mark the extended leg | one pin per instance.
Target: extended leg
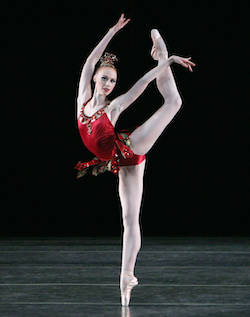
(144, 137)
(130, 192)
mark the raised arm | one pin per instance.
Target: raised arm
(84, 90)
(124, 101)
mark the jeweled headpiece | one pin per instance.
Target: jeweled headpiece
(108, 60)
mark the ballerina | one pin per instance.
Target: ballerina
(123, 153)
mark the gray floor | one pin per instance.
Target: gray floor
(79, 277)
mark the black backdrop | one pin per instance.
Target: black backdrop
(196, 179)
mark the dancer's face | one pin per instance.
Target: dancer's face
(105, 80)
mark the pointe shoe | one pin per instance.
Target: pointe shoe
(126, 294)
(125, 312)
(159, 47)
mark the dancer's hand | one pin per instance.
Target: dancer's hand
(120, 24)
(185, 62)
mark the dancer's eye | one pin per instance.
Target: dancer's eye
(104, 78)
(112, 81)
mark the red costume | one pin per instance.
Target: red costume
(112, 149)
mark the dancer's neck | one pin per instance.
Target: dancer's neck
(97, 101)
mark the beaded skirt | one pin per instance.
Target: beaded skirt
(122, 155)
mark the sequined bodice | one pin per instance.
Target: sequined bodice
(112, 149)
(97, 133)
(88, 120)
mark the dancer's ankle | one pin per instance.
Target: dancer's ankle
(127, 273)
(162, 56)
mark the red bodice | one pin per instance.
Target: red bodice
(100, 138)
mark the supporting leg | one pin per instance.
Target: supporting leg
(130, 192)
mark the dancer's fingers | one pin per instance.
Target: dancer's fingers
(123, 21)
(189, 65)
(184, 64)
(122, 18)
(190, 62)
(126, 22)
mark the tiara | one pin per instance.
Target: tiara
(108, 60)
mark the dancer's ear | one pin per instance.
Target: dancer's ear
(94, 78)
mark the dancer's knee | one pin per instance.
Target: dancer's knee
(130, 221)
(175, 103)
(178, 102)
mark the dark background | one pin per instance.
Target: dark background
(197, 180)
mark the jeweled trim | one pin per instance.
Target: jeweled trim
(88, 120)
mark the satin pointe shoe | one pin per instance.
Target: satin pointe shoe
(159, 47)
(126, 294)
(125, 312)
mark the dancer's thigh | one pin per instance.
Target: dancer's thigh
(144, 137)
(131, 187)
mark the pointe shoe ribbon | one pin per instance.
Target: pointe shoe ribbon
(125, 296)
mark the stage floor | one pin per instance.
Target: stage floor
(80, 277)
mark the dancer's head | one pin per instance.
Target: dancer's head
(106, 75)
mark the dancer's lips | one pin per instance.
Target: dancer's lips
(106, 89)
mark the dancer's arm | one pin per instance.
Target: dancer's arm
(124, 101)
(84, 90)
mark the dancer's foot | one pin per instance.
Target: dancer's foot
(159, 49)
(127, 283)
